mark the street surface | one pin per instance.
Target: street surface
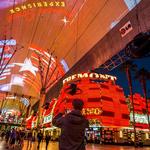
(54, 146)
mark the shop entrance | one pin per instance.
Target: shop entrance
(93, 135)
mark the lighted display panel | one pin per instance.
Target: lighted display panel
(104, 102)
(140, 111)
(47, 115)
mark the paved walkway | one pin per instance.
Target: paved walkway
(54, 146)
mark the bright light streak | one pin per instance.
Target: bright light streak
(8, 66)
(2, 78)
(5, 87)
(6, 70)
(7, 55)
(45, 61)
(47, 54)
(35, 58)
(78, 12)
(6, 74)
(65, 66)
(17, 80)
(11, 97)
(32, 82)
(37, 51)
(28, 118)
(8, 42)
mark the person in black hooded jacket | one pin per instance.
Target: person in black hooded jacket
(72, 127)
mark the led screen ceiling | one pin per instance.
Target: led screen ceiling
(67, 30)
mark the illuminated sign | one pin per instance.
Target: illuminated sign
(89, 75)
(91, 111)
(34, 122)
(139, 118)
(47, 119)
(126, 29)
(39, 4)
(7, 42)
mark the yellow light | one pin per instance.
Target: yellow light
(121, 134)
(146, 136)
(38, 4)
(89, 75)
(91, 111)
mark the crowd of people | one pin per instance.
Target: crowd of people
(14, 138)
(72, 125)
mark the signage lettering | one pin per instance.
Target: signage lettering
(89, 75)
(126, 29)
(91, 111)
(38, 5)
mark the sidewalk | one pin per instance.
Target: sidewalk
(54, 146)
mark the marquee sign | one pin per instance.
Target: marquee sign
(47, 119)
(38, 4)
(139, 118)
(126, 29)
(89, 75)
(91, 111)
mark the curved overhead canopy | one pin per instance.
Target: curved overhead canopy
(66, 29)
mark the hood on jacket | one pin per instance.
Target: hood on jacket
(75, 117)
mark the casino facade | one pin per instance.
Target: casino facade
(105, 106)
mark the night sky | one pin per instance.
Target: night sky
(122, 80)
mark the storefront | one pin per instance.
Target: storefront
(106, 107)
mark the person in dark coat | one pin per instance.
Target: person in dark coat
(47, 139)
(72, 127)
(29, 140)
(7, 136)
(40, 138)
(13, 136)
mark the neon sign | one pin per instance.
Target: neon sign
(139, 118)
(126, 29)
(47, 119)
(91, 111)
(33, 124)
(43, 4)
(89, 75)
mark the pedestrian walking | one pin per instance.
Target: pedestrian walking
(39, 137)
(47, 139)
(13, 138)
(7, 136)
(29, 138)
